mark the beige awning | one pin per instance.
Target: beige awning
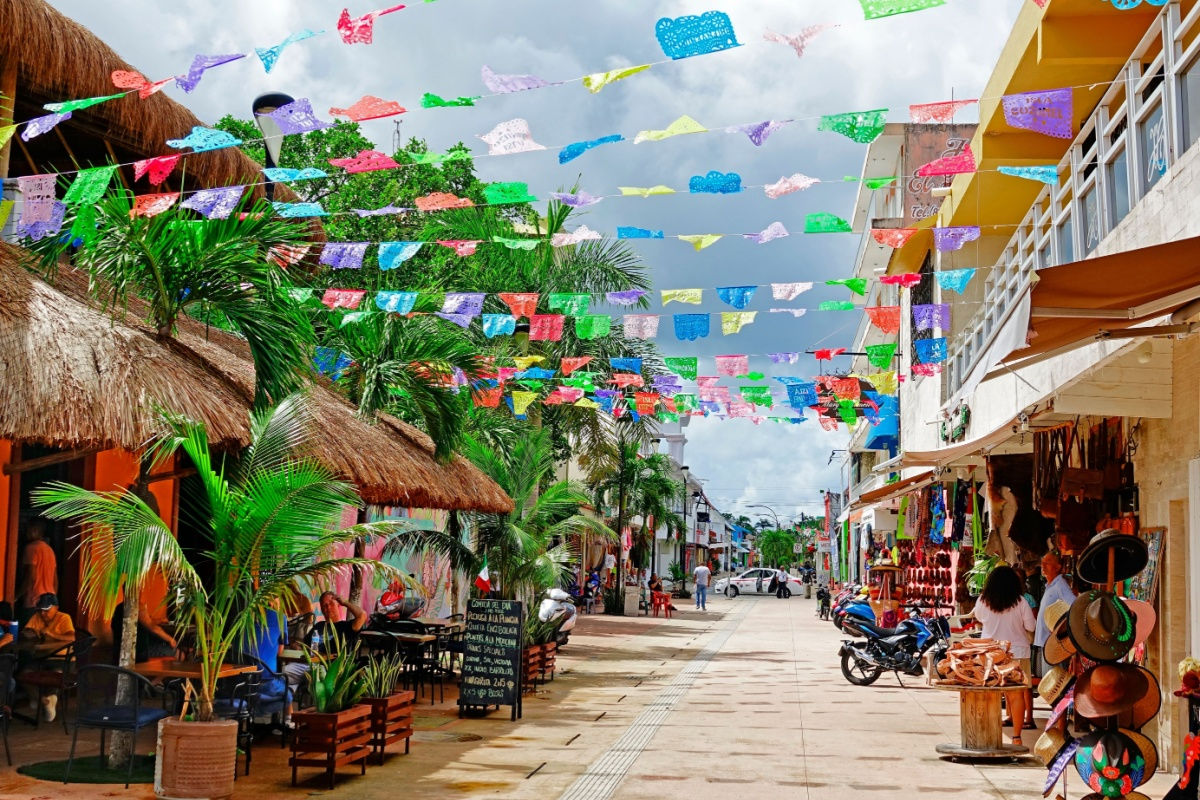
(892, 490)
(948, 455)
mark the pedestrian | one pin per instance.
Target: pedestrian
(610, 565)
(782, 590)
(702, 574)
(1057, 588)
(1007, 617)
(39, 567)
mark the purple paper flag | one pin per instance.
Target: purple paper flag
(625, 298)
(934, 315)
(344, 255)
(41, 228)
(759, 131)
(201, 63)
(40, 125)
(468, 304)
(577, 200)
(386, 211)
(1049, 112)
(216, 203)
(784, 358)
(298, 117)
(461, 320)
(955, 237)
(504, 84)
(773, 231)
(37, 197)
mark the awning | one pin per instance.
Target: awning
(884, 493)
(741, 549)
(948, 455)
(1074, 303)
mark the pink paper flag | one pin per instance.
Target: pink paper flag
(797, 41)
(546, 327)
(733, 365)
(626, 379)
(522, 304)
(793, 183)
(510, 137)
(151, 205)
(158, 168)
(893, 237)
(641, 326)
(789, 291)
(960, 164)
(369, 107)
(360, 30)
(439, 201)
(938, 112)
(343, 298)
(927, 370)
(129, 79)
(365, 161)
(461, 247)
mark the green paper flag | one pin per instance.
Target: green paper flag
(686, 402)
(668, 416)
(874, 9)
(757, 395)
(856, 285)
(573, 305)
(517, 244)
(836, 305)
(686, 368)
(84, 226)
(496, 193)
(825, 223)
(89, 185)
(433, 101)
(301, 295)
(863, 127)
(880, 355)
(847, 412)
(437, 158)
(879, 183)
(352, 317)
(68, 106)
(753, 376)
(582, 380)
(592, 326)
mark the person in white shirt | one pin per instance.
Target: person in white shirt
(781, 586)
(1008, 618)
(610, 564)
(702, 574)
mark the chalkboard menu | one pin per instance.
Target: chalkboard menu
(491, 667)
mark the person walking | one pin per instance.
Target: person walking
(702, 575)
(1007, 617)
(781, 589)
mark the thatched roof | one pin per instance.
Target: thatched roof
(71, 376)
(59, 59)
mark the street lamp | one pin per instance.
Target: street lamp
(768, 508)
(261, 108)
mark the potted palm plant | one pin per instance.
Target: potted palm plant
(270, 517)
(391, 707)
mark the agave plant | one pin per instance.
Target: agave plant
(335, 677)
(381, 674)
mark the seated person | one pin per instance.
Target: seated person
(332, 612)
(50, 625)
(655, 583)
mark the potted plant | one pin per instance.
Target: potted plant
(270, 518)
(391, 708)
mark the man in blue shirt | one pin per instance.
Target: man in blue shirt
(1057, 588)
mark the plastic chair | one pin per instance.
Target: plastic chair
(661, 601)
(56, 673)
(8, 665)
(99, 708)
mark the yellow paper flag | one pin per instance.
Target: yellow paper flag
(700, 240)
(522, 400)
(639, 191)
(598, 80)
(6, 132)
(679, 127)
(691, 296)
(734, 321)
(525, 362)
(884, 382)
(585, 402)
(6, 207)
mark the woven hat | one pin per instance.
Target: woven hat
(1058, 647)
(1131, 557)
(1049, 745)
(1107, 690)
(1059, 765)
(1110, 763)
(1146, 707)
(1101, 626)
(1149, 752)
(1054, 685)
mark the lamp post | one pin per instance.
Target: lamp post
(768, 508)
(262, 106)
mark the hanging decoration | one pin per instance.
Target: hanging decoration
(136, 81)
(856, 285)
(699, 241)
(629, 232)
(825, 223)
(546, 327)
(598, 80)
(797, 41)
(43, 124)
(930, 351)
(640, 326)
(396, 302)
(592, 326)
(881, 355)
(737, 296)
(954, 280)
(793, 183)
(690, 327)
(690, 296)
(732, 365)
(940, 113)
(577, 236)
(960, 164)
(1047, 174)
(576, 149)
(930, 316)
(203, 139)
(344, 255)
(774, 231)
(684, 37)
(510, 137)
(680, 127)
(733, 321)
(683, 367)
(507, 84)
(151, 205)
(715, 183)
(953, 238)
(506, 193)
(393, 254)
(893, 237)
(369, 107)
(298, 117)
(270, 55)
(365, 161)
(627, 297)
(885, 318)
(756, 132)
(905, 280)
(789, 291)
(863, 127)
(1049, 112)
(874, 9)
(644, 191)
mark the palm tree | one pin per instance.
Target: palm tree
(270, 519)
(528, 550)
(654, 498)
(218, 270)
(777, 547)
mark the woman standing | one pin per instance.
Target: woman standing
(1007, 617)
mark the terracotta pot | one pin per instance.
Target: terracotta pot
(196, 760)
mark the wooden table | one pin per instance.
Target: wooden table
(36, 649)
(167, 667)
(979, 718)
(405, 638)
(442, 624)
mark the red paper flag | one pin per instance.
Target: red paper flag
(366, 161)
(905, 280)
(846, 388)
(369, 107)
(546, 327)
(569, 365)
(158, 167)
(827, 354)
(487, 398)
(440, 201)
(128, 79)
(151, 205)
(360, 30)
(886, 318)
(892, 237)
(522, 304)
(627, 379)
(950, 165)
(461, 247)
(343, 298)
(645, 402)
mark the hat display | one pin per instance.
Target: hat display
(1049, 745)
(46, 601)
(1146, 618)
(1130, 558)
(1107, 690)
(1061, 707)
(1059, 765)
(1054, 685)
(1101, 626)
(1110, 763)
(1145, 708)
(1058, 647)
(1149, 753)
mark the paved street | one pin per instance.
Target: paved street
(745, 697)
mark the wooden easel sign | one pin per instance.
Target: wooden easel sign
(491, 668)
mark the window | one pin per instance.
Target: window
(1152, 134)
(1066, 244)
(1118, 187)
(1091, 219)
(1191, 103)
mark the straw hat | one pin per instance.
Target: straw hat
(1146, 707)
(1149, 752)
(1054, 685)
(1107, 690)
(1058, 647)
(1101, 626)
(1049, 745)
(1110, 763)
(1131, 557)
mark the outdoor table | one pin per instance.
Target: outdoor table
(442, 624)
(979, 718)
(167, 667)
(405, 638)
(35, 649)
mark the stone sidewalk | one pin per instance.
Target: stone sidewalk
(746, 696)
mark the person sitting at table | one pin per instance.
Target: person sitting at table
(655, 583)
(51, 626)
(332, 606)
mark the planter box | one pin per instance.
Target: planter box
(531, 667)
(549, 656)
(391, 720)
(331, 740)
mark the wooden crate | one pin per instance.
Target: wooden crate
(531, 667)
(331, 740)
(391, 720)
(549, 657)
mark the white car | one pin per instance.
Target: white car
(754, 581)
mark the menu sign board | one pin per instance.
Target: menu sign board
(491, 668)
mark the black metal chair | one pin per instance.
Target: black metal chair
(272, 696)
(99, 708)
(422, 660)
(8, 665)
(56, 673)
(239, 702)
(455, 643)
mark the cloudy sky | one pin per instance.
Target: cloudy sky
(440, 46)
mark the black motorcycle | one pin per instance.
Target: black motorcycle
(823, 602)
(898, 649)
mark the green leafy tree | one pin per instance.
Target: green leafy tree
(777, 547)
(655, 496)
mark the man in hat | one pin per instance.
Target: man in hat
(49, 625)
(1057, 588)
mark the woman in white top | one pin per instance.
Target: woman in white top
(1007, 617)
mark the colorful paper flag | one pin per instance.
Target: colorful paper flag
(598, 80)
(522, 304)
(737, 296)
(1048, 112)
(954, 280)
(953, 238)
(690, 327)
(510, 137)
(680, 127)
(699, 241)
(369, 107)
(576, 149)
(881, 355)
(863, 127)
(789, 291)
(546, 327)
(365, 161)
(714, 182)
(885, 318)
(793, 183)
(893, 237)
(640, 326)
(506, 84)
(825, 223)
(941, 113)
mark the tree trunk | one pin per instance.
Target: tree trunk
(621, 548)
(454, 528)
(121, 748)
(356, 575)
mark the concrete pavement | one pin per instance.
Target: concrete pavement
(745, 697)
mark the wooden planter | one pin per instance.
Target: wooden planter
(549, 655)
(531, 667)
(391, 720)
(195, 759)
(331, 740)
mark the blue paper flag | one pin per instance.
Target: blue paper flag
(626, 232)
(396, 302)
(328, 361)
(626, 364)
(716, 183)
(299, 209)
(697, 35)
(802, 395)
(690, 327)
(393, 254)
(1047, 174)
(954, 280)
(576, 149)
(202, 139)
(930, 351)
(499, 325)
(287, 174)
(535, 374)
(736, 296)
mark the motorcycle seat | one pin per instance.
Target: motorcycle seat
(882, 633)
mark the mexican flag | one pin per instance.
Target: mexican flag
(482, 581)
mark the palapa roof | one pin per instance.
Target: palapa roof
(71, 376)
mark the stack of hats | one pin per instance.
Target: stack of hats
(1088, 643)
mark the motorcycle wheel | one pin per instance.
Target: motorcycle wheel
(731, 591)
(858, 673)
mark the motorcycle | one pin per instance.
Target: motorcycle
(856, 606)
(898, 649)
(823, 598)
(558, 604)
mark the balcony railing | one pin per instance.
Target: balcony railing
(1147, 119)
